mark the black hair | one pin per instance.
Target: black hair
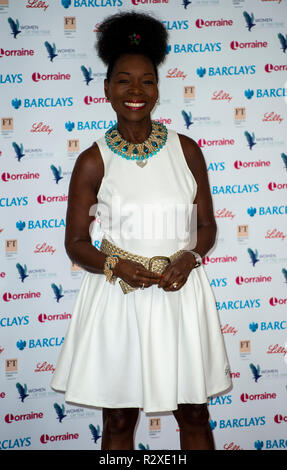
(131, 33)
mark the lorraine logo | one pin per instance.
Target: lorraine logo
(57, 173)
(18, 150)
(283, 41)
(95, 432)
(249, 19)
(87, 74)
(253, 255)
(187, 118)
(255, 372)
(22, 270)
(22, 390)
(57, 291)
(60, 411)
(250, 139)
(14, 25)
(51, 49)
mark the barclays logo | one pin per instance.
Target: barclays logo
(89, 125)
(267, 210)
(268, 326)
(43, 102)
(238, 304)
(91, 3)
(266, 93)
(216, 166)
(271, 444)
(226, 71)
(40, 224)
(195, 48)
(11, 78)
(13, 201)
(177, 25)
(40, 343)
(235, 189)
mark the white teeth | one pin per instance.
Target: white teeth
(134, 105)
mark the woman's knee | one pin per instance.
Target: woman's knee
(119, 420)
(192, 415)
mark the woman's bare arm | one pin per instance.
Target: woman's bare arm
(206, 224)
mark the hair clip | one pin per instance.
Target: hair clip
(135, 39)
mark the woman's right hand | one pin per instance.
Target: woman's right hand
(135, 274)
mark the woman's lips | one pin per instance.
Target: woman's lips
(135, 105)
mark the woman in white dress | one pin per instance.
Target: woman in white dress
(152, 341)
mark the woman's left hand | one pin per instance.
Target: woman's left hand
(177, 272)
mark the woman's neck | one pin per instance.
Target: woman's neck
(135, 132)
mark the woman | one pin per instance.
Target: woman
(159, 347)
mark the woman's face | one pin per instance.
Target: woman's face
(132, 89)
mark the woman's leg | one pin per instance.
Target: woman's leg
(195, 431)
(118, 428)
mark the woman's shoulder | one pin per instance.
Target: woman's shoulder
(90, 161)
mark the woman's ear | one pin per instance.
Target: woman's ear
(106, 88)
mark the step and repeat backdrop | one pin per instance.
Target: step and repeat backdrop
(223, 84)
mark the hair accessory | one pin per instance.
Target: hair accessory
(135, 39)
(139, 152)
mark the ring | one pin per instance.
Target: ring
(175, 284)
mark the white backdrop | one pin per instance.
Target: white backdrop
(223, 84)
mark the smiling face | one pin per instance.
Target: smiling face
(132, 88)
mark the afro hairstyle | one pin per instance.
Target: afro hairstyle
(131, 33)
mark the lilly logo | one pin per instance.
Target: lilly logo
(16, 103)
(87, 74)
(21, 345)
(251, 211)
(60, 411)
(249, 93)
(250, 139)
(249, 19)
(18, 150)
(253, 255)
(51, 49)
(201, 72)
(22, 391)
(14, 25)
(22, 270)
(69, 126)
(253, 327)
(20, 225)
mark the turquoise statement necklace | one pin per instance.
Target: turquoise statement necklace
(138, 152)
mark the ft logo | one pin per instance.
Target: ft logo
(154, 427)
(70, 23)
(7, 124)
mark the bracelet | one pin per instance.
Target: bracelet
(110, 262)
(197, 257)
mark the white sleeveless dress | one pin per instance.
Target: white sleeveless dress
(148, 349)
